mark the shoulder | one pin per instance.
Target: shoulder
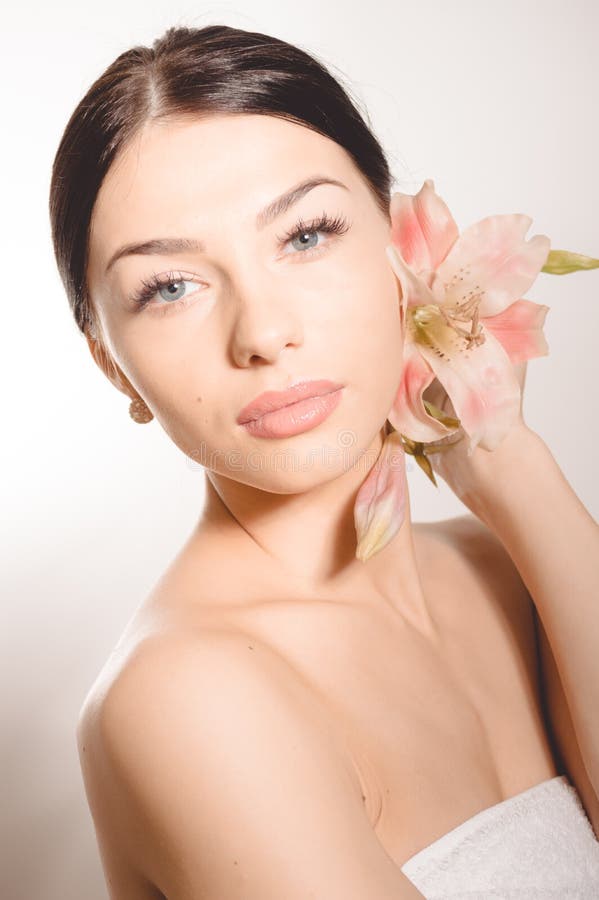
(155, 699)
(177, 712)
(478, 554)
(466, 534)
(215, 772)
(488, 593)
(164, 676)
(209, 670)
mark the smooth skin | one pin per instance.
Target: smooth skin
(279, 719)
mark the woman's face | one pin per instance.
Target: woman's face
(250, 309)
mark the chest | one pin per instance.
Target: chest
(436, 733)
(455, 733)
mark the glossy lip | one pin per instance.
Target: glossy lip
(270, 401)
(295, 418)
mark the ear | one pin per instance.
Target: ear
(105, 362)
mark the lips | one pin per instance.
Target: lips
(273, 400)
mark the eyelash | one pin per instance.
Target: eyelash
(149, 287)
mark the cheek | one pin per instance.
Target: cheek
(376, 332)
(369, 313)
(180, 383)
(191, 411)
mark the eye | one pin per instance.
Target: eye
(174, 290)
(170, 287)
(305, 232)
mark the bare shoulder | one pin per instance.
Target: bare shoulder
(215, 773)
(479, 554)
(466, 534)
(489, 596)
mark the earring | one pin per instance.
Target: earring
(139, 412)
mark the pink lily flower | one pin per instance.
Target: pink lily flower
(467, 325)
(465, 319)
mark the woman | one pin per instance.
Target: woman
(281, 719)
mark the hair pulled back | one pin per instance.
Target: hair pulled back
(192, 72)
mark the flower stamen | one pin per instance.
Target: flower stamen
(467, 311)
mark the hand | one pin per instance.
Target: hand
(469, 476)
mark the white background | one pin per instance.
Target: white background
(497, 102)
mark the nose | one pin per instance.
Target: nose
(265, 324)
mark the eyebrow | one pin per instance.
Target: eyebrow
(267, 215)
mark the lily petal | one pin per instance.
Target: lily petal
(480, 382)
(415, 290)
(408, 415)
(423, 228)
(380, 505)
(519, 330)
(493, 259)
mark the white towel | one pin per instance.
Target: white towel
(538, 845)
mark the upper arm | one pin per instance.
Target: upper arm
(232, 784)
(561, 725)
(119, 836)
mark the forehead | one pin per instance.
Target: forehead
(178, 173)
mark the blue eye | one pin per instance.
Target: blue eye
(308, 233)
(303, 230)
(170, 287)
(174, 290)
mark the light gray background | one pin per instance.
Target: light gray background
(497, 102)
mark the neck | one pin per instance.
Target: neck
(307, 541)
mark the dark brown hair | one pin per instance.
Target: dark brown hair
(197, 72)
